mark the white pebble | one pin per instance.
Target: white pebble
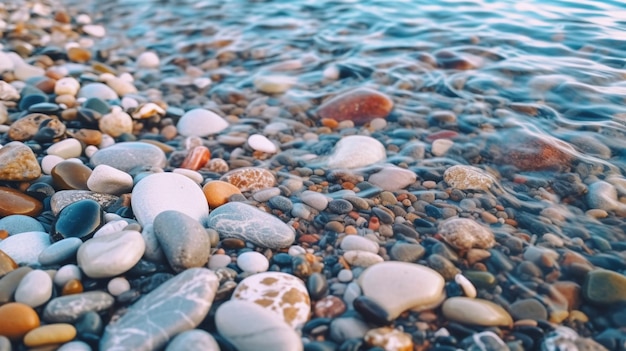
(148, 59)
(296, 250)
(219, 261)
(109, 180)
(115, 123)
(34, 289)
(67, 148)
(49, 161)
(252, 262)
(189, 173)
(67, 273)
(66, 86)
(118, 286)
(441, 146)
(200, 122)
(273, 84)
(466, 285)
(94, 30)
(90, 150)
(259, 142)
(345, 275)
(111, 227)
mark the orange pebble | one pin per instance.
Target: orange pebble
(374, 223)
(329, 122)
(74, 286)
(197, 158)
(17, 319)
(4, 234)
(218, 192)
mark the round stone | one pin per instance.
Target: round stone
(200, 122)
(14, 202)
(67, 148)
(111, 255)
(389, 339)
(17, 319)
(252, 262)
(97, 90)
(35, 289)
(25, 248)
(261, 143)
(15, 224)
(465, 234)
(393, 178)
(192, 340)
(19, 163)
(61, 251)
(340, 206)
(399, 286)
(283, 294)
(50, 334)
(314, 199)
(356, 151)
(478, 312)
(468, 178)
(67, 273)
(360, 105)
(109, 180)
(250, 178)
(528, 309)
(70, 175)
(66, 86)
(161, 192)
(116, 123)
(80, 219)
(604, 287)
(148, 59)
(245, 222)
(273, 84)
(183, 239)
(128, 155)
(118, 286)
(247, 325)
(218, 192)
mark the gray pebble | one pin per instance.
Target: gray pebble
(340, 206)
(60, 251)
(282, 203)
(192, 340)
(19, 224)
(342, 329)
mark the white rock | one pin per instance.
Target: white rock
(118, 286)
(116, 123)
(252, 262)
(67, 273)
(441, 146)
(6, 64)
(97, 90)
(121, 86)
(356, 151)
(148, 59)
(361, 258)
(49, 161)
(273, 84)
(190, 173)
(357, 242)
(111, 255)
(67, 148)
(8, 92)
(94, 30)
(200, 122)
(109, 180)
(66, 86)
(393, 178)
(314, 199)
(218, 261)
(603, 195)
(24, 248)
(111, 227)
(34, 289)
(168, 191)
(466, 285)
(261, 143)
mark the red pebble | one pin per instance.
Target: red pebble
(359, 105)
(197, 158)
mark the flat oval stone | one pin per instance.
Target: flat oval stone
(247, 325)
(183, 239)
(399, 286)
(24, 248)
(63, 198)
(356, 151)
(19, 223)
(252, 262)
(200, 122)
(480, 312)
(464, 234)
(128, 155)
(178, 305)
(218, 192)
(97, 90)
(250, 178)
(361, 258)
(283, 294)
(35, 289)
(273, 84)
(69, 175)
(60, 252)
(245, 222)
(69, 308)
(109, 180)
(468, 178)
(14, 202)
(604, 287)
(10, 281)
(111, 255)
(17, 319)
(360, 105)
(67, 148)
(80, 219)
(116, 123)
(356, 242)
(19, 163)
(393, 178)
(192, 340)
(261, 143)
(50, 334)
(161, 192)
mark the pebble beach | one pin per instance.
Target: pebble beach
(254, 175)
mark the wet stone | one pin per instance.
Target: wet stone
(183, 239)
(35, 289)
(50, 334)
(69, 308)
(604, 287)
(340, 206)
(389, 339)
(356, 151)
(200, 122)
(18, 163)
(528, 309)
(360, 105)
(468, 178)
(464, 234)
(69, 175)
(14, 202)
(406, 252)
(63, 198)
(25, 248)
(80, 219)
(480, 312)
(250, 178)
(128, 155)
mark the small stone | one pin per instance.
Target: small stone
(183, 239)
(252, 262)
(111, 255)
(35, 289)
(356, 151)
(603, 195)
(69, 175)
(241, 221)
(121, 86)
(15, 224)
(466, 285)
(184, 299)
(486, 340)
(604, 287)
(68, 309)
(464, 234)
(160, 192)
(8, 92)
(17, 319)
(67, 148)
(360, 105)
(218, 192)
(530, 152)
(6, 264)
(63, 198)
(393, 178)
(118, 286)
(80, 220)
(441, 146)
(329, 307)
(468, 178)
(67, 273)
(116, 123)
(94, 30)
(250, 178)
(66, 86)
(247, 325)
(399, 286)
(109, 180)
(200, 122)
(475, 312)
(97, 90)
(314, 199)
(389, 339)
(148, 59)
(406, 252)
(78, 54)
(192, 340)
(528, 309)
(356, 242)
(361, 258)
(24, 248)
(345, 328)
(273, 84)
(75, 346)
(196, 158)
(19, 163)
(261, 143)
(50, 334)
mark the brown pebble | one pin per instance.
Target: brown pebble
(218, 192)
(571, 293)
(17, 319)
(329, 307)
(6, 263)
(68, 175)
(50, 334)
(73, 286)
(233, 243)
(26, 127)
(66, 99)
(19, 163)
(46, 85)
(360, 105)
(250, 178)
(3, 235)
(169, 132)
(62, 17)
(488, 217)
(78, 54)
(530, 152)
(14, 202)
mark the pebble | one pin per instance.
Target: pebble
(200, 122)
(478, 312)
(118, 286)
(218, 192)
(67, 148)
(75, 346)
(406, 252)
(345, 328)
(250, 178)
(356, 151)
(603, 196)
(261, 143)
(8, 92)
(252, 262)
(19, 163)
(246, 325)
(283, 294)
(110, 255)
(116, 123)
(67, 309)
(35, 289)
(245, 222)
(183, 239)
(67, 226)
(6, 264)
(51, 334)
(528, 309)
(128, 155)
(17, 319)
(361, 258)
(109, 180)
(314, 199)
(15, 224)
(177, 305)
(531, 152)
(148, 59)
(340, 206)
(192, 340)
(602, 287)
(97, 90)
(25, 248)
(399, 286)
(360, 105)
(273, 84)
(465, 234)
(161, 192)
(466, 285)
(389, 339)
(486, 340)
(196, 158)
(393, 178)
(14, 202)
(468, 178)
(66, 273)
(70, 175)
(66, 86)
(63, 198)
(441, 146)
(356, 242)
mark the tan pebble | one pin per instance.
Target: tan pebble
(169, 132)
(475, 312)
(429, 184)
(361, 258)
(67, 100)
(17, 319)
(476, 255)
(78, 54)
(89, 136)
(468, 288)
(6, 262)
(467, 177)
(50, 334)
(525, 323)
(464, 234)
(46, 85)
(120, 86)
(597, 213)
(558, 316)
(389, 339)
(350, 229)
(218, 192)
(66, 86)
(26, 127)
(19, 163)
(579, 316)
(116, 123)
(250, 178)
(488, 217)
(359, 106)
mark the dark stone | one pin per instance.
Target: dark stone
(44, 107)
(372, 311)
(282, 259)
(98, 105)
(406, 252)
(528, 309)
(89, 325)
(31, 99)
(405, 230)
(315, 325)
(340, 206)
(78, 220)
(612, 339)
(40, 190)
(352, 345)
(301, 267)
(317, 286)
(320, 346)
(382, 215)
